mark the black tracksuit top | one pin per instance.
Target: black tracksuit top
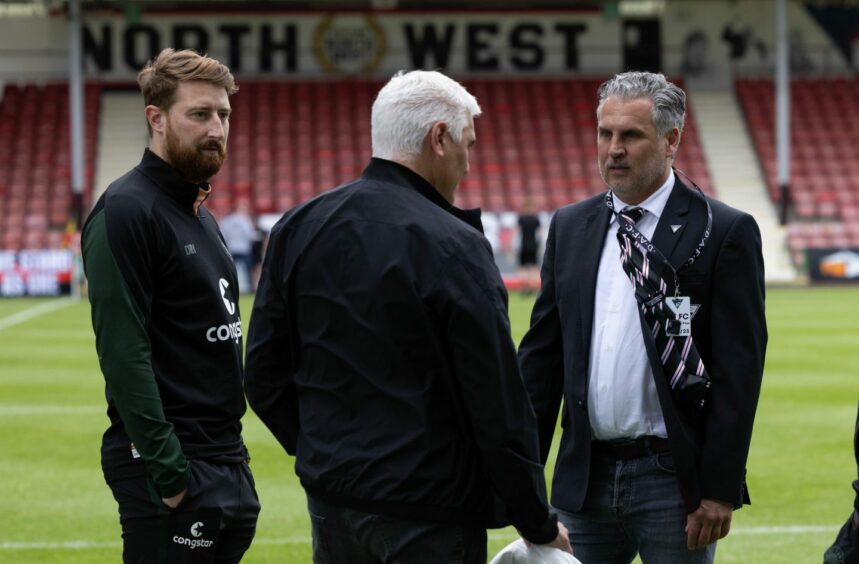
(165, 313)
(379, 353)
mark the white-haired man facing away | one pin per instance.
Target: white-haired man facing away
(379, 352)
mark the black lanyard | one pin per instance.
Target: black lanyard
(650, 248)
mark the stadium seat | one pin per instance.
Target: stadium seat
(824, 154)
(35, 164)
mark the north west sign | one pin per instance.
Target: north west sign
(361, 43)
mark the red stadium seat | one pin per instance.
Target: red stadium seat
(35, 136)
(824, 153)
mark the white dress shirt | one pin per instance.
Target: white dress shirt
(622, 400)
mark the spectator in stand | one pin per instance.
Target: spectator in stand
(240, 233)
(529, 226)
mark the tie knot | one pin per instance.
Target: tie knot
(632, 215)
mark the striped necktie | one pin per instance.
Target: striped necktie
(682, 365)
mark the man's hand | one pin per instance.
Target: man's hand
(709, 523)
(173, 502)
(562, 541)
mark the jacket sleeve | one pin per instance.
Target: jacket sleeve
(541, 355)
(269, 367)
(856, 483)
(118, 262)
(739, 339)
(474, 310)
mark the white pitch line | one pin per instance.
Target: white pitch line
(83, 544)
(11, 410)
(68, 545)
(35, 311)
(787, 529)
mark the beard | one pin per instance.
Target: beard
(197, 163)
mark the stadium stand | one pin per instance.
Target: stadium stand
(35, 170)
(291, 140)
(824, 156)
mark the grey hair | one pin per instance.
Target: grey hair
(409, 104)
(669, 101)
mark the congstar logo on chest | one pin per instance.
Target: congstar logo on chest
(228, 331)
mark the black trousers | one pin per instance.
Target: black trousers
(215, 523)
(347, 536)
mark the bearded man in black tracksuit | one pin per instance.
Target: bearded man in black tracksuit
(165, 312)
(379, 352)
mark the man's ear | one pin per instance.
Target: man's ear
(156, 118)
(437, 138)
(673, 138)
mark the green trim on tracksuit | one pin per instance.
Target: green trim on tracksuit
(125, 357)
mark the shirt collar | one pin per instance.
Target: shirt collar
(654, 204)
(171, 182)
(396, 173)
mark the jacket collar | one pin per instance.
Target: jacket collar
(169, 180)
(395, 173)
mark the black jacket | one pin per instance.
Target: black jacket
(379, 353)
(165, 312)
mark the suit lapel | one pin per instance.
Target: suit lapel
(592, 239)
(672, 235)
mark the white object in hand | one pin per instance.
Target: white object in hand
(517, 552)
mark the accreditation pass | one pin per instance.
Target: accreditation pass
(680, 320)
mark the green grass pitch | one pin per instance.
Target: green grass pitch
(56, 508)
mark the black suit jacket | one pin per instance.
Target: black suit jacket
(729, 331)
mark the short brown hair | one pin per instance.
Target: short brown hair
(161, 76)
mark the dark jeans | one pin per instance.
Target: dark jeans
(632, 507)
(347, 536)
(244, 271)
(215, 523)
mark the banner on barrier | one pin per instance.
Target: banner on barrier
(840, 265)
(36, 272)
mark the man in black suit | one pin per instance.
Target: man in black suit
(652, 459)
